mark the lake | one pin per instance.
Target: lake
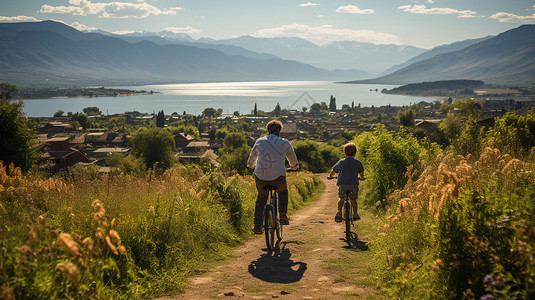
(193, 98)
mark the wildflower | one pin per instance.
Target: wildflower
(6, 293)
(487, 296)
(111, 245)
(70, 271)
(115, 236)
(66, 240)
(121, 249)
(437, 264)
(88, 242)
(32, 236)
(490, 280)
(151, 210)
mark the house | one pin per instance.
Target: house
(182, 140)
(196, 146)
(59, 143)
(78, 140)
(103, 152)
(289, 131)
(65, 159)
(209, 155)
(54, 127)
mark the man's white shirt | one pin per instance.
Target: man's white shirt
(268, 155)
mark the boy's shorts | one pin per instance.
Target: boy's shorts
(354, 191)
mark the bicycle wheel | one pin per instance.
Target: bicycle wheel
(268, 227)
(347, 217)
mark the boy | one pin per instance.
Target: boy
(348, 168)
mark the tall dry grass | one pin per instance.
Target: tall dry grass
(121, 235)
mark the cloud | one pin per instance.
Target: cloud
(430, 1)
(422, 9)
(109, 10)
(327, 33)
(187, 30)
(308, 4)
(78, 26)
(351, 9)
(17, 19)
(512, 18)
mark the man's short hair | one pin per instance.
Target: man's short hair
(274, 127)
(350, 149)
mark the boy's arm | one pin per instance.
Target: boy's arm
(332, 174)
(361, 175)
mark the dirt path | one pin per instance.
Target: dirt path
(314, 262)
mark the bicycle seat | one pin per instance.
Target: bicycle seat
(270, 188)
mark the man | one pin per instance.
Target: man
(267, 159)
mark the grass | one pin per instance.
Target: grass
(122, 236)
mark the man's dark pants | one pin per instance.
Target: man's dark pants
(263, 194)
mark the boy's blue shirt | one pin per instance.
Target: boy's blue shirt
(348, 170)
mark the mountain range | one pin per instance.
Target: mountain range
(508, 58)
(52, 53)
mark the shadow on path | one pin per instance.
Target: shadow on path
(277, 267)
(355, 243)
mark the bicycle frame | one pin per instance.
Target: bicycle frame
(347, 214)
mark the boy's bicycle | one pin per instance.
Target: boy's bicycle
(347, 212)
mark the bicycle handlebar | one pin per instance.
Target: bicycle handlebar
(334, 177)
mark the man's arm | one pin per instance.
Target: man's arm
(292, 158)
(251, 162)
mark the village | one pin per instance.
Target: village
(63, 142)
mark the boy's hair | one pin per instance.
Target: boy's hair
(274, 127)
(350, 149)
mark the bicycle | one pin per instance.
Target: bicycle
(270, 217)
(347, 211)
(270, 221)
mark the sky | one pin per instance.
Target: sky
(420, 23)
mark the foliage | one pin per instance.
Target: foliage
(7, 90)
(514, 133)
(58, 113)
(387, 156)
(463, 228)
(156, 146)
(92, 111)
(316, 158)
(332, 104)
(16, 136)
(160, 119)
(406, 117)
(139, 241)
(82, 119)
(234, 153)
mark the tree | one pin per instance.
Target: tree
(82, 119)
(92, 111)
(255, 110)
(160, 119)
(209, 112)
(154, 145)
(16, 136)
(58, 114)
(7, 90)
(406, 117)
(332, 104)
(277, 110)
(234, 153)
